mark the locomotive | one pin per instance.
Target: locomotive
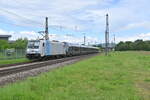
(40, 49)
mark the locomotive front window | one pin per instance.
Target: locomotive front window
(33, 44)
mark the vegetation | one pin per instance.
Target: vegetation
(12, 50)
(136, 45)
(13, 61)
(121, 76)
(18, 44)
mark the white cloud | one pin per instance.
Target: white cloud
(62, 38)
(144, 24)
(60, 12)
(143, 36)
(73, 39)
(3, 32)
(22, 34)
(125, 15)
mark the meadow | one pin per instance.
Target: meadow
(13, 61)
(119, 76)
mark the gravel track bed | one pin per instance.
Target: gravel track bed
(34, 72)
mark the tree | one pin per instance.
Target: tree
(121, 46)
(136, 45)
(20, 43)
(4, 44)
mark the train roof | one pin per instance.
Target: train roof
(69, 44)
(83, 46)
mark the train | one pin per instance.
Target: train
(40, 49)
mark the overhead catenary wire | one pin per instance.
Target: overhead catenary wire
(20, 16)
(27, 22)
(30, 22)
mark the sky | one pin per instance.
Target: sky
(69, 20)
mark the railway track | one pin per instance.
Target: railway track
(20, 68)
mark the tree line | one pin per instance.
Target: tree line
(136, 45)
(18, 44)
(121, 46)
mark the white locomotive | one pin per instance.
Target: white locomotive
(44, 48)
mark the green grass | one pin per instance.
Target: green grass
(120, 76)
(13, 61)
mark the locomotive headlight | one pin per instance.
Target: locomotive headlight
(28, 51)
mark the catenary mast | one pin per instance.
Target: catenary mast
(46, 29)
(107, 35)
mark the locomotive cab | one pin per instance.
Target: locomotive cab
(35, 49)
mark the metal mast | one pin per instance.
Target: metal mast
(107, 35)
(46, 29)
(114, 41)
(84, 39)
(114, 38)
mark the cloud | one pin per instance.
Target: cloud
(22, 34)
(62, 38)
(143, 36)
(60, 12)
(3, 32)
(145, 25)
(73, 39)
(88, 15)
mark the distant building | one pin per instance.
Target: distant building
(5, 37)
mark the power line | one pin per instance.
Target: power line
(19, 16)
(12, 24)
(34, 23)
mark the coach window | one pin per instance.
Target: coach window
(43, 44)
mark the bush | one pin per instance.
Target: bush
(18, 44)
(136, 45)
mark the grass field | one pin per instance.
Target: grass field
(120, 76)
(13, 61)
